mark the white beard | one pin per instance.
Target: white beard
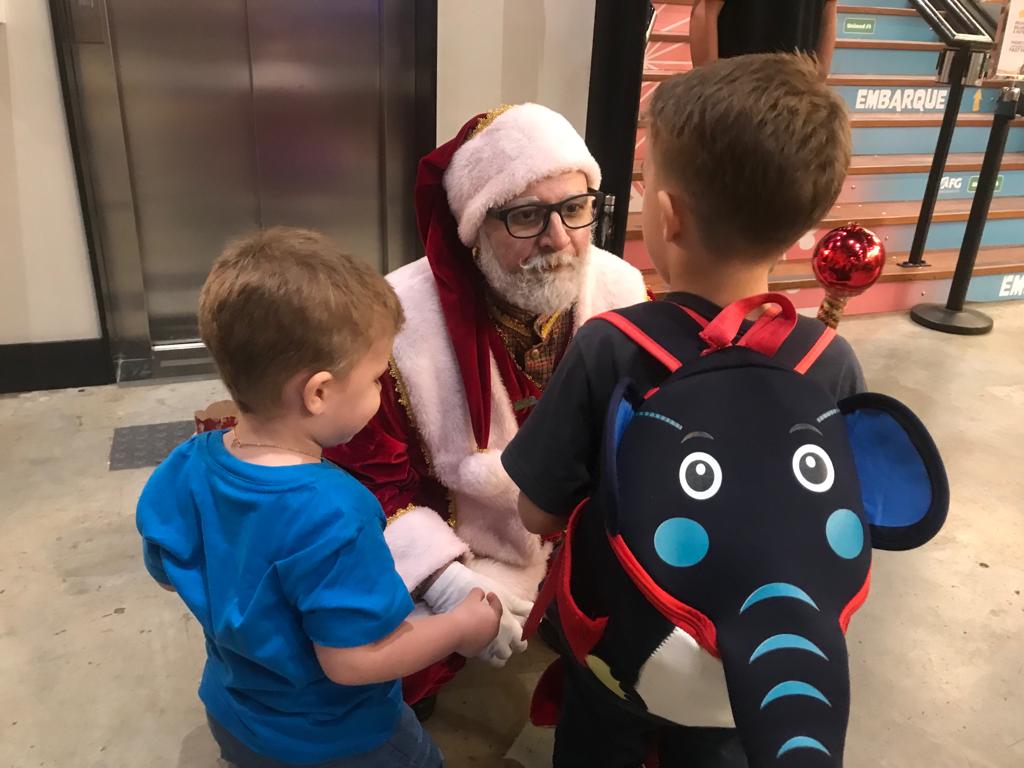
(533, 286)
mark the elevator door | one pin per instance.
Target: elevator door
(207, 118)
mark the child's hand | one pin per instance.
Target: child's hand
(480, 616)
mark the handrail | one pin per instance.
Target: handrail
(968, 42)
(955, 25)
(953, 317)
(978, 15)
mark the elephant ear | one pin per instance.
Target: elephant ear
(902, 478)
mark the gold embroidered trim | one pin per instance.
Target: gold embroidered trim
(403, 399)
(452, 512)
(489, 118)
(400, 512)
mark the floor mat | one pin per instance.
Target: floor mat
(146, 445)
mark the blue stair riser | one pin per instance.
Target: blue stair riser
(908, 141)
(892, 187)
(877, 99)
(879, 61)
(1008, 287)
(866, 26)
(948, 234)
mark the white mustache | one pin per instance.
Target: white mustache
(543, 262)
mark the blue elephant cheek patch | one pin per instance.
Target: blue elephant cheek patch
(845, 533)
(681, 542)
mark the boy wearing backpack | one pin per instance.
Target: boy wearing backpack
(746, 155)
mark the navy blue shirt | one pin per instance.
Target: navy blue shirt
(553, 457)
(271, 560)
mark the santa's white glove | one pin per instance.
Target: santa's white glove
(453, 585)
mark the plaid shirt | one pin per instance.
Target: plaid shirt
(537, 343)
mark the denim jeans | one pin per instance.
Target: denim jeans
(409, 747)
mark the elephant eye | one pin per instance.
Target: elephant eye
(700, 476)
(813, 468)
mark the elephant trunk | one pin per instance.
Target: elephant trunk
(787, 672)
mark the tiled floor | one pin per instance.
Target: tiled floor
(98, 667)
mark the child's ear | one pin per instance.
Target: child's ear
(670, 211)
(314, 392)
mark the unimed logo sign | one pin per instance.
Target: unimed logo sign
(859, 25)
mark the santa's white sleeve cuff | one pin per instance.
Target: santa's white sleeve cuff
(421, 543)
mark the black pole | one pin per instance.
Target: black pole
(616, 72)
(957, 71)
(979, 210)
(953, 318)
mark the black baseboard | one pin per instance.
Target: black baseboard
(54, 365)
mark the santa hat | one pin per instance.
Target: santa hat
(492, 158)
(509, 149)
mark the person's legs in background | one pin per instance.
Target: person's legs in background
(682, 747)
(595, 729)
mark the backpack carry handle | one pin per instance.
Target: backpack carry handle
(766, 335)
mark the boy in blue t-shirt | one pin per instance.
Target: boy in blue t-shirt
(279, 554)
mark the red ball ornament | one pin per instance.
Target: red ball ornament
(847, 261)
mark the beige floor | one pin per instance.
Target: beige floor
(98, 667)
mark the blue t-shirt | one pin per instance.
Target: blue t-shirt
(271, 560)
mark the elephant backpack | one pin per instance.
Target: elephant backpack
(728, 541)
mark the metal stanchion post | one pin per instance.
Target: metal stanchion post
(952, 317)
(957, 74)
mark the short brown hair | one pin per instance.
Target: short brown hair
(758, 144)
(285, 300)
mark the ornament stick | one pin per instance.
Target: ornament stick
(831, 309)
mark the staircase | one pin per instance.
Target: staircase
(884, 69)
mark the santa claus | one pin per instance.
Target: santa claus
(505, 211)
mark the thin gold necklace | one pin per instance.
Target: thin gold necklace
(236, 443)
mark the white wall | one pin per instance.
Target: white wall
(492, 52)
(489, 52)
(46, 291)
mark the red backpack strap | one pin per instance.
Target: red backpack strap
(765, 336)
(642, 340)
(581, 631)
(815, 351)
(698, 318)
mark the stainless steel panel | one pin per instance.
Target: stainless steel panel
(317, 106)
(201, 119)
(183, 69)
(399, 132)
(89, 21)
(103, 141)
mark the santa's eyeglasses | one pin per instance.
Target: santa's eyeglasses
(532, 219)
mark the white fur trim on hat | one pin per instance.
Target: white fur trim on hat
(524, 144)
